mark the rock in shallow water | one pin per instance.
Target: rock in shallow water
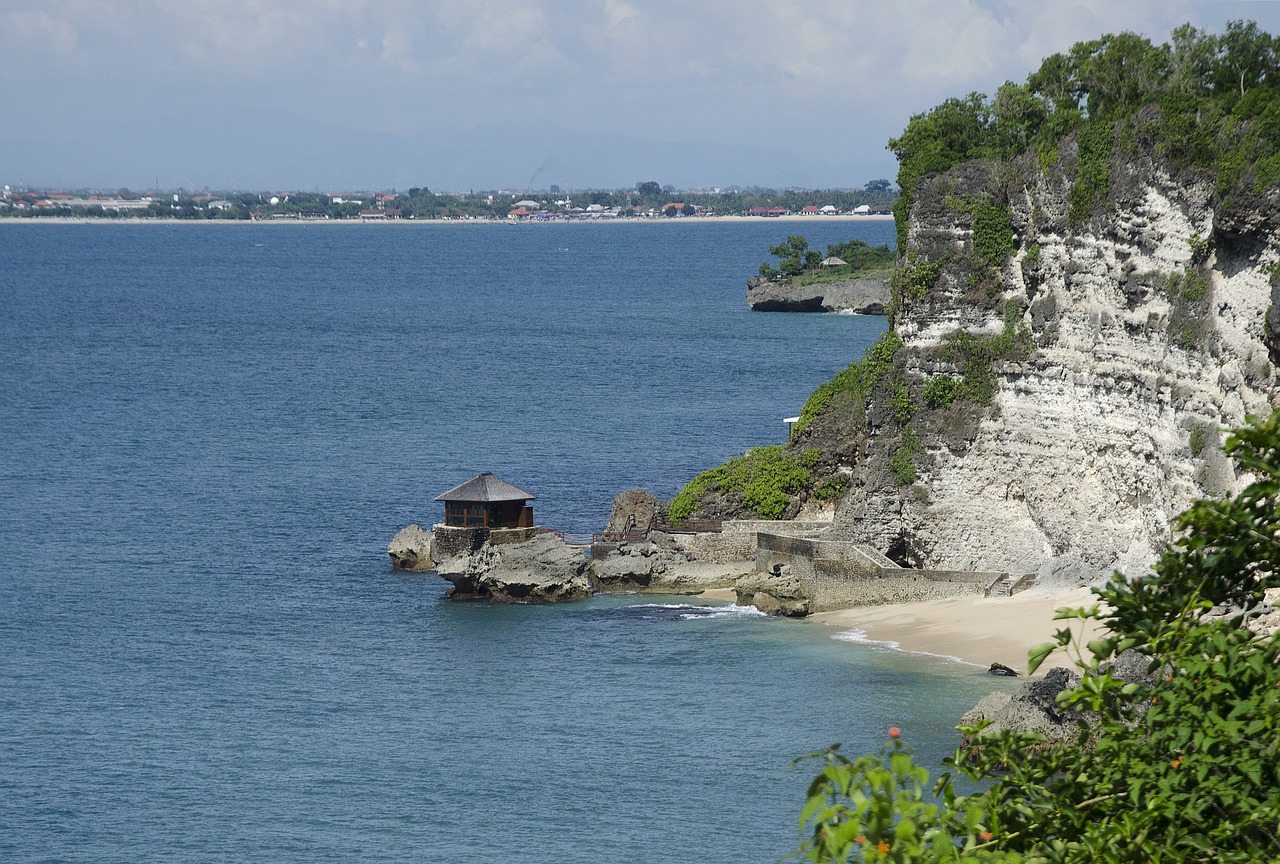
(411, 549)
(777, 592)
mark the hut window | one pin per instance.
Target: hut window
(464, 514)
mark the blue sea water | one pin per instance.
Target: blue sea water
(209, 434)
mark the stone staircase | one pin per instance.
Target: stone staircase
(1007, 584)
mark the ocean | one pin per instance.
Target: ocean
(208, 435)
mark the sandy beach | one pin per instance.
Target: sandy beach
(974, 629)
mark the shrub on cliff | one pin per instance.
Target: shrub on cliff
(1186, 770)
(858, 379)
(765, 478)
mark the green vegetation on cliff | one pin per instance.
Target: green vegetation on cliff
(1204, 104)
(765, 477)
(1211, 102)
(1181, 766)
(858, 379)
(1185, 767)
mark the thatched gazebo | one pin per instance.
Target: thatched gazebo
(486, 501)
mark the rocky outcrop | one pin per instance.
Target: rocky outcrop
(411, 549)
(868, 295)
(538, 570)
(1033, 707)
(647, 568)
(775, 592)
(632, 509)
(1115, 349)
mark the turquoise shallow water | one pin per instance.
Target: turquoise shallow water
(210, 434)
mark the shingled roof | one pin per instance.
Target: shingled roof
(485, 487)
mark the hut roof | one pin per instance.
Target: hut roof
(485, 487)
(833, 261)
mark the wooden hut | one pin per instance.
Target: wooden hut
(486, 501)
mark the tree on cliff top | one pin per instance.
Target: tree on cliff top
(1183, 769)
(1216, 101)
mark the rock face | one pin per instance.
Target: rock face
(539, 570)
(776, 592)
(1033, 707)
(631, 509)
(649, 569)
(1148, 331)
(411, 549)
(866, 296)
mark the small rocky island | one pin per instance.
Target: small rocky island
(853, 277)
(865, 295)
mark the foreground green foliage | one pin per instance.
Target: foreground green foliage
(1183, 769)
(1211, 103)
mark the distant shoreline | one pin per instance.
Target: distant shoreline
(90, 220)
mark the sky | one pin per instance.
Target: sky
(455, 95)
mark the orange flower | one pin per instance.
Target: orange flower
(985, 836)
(895, 733)
(860, 839)
(882, 847)
(1176, 762)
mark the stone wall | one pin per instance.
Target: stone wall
(737, 539)
(448, 541)
(837, 575)
(832, 587)
(502, 536)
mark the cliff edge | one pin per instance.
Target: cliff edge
(1114, 352)
(1052, 387)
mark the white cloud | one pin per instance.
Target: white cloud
(826, 79)
(38, 29)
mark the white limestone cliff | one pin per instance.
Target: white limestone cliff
(1112, 426)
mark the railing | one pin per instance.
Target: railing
(1022, 583)
(635, 535)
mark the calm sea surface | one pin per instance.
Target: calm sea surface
(209, 434)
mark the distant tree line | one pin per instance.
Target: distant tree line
(795, 257)
(422, 203)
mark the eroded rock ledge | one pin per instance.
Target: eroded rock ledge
(868, 295)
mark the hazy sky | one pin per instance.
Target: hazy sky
(458, 94)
